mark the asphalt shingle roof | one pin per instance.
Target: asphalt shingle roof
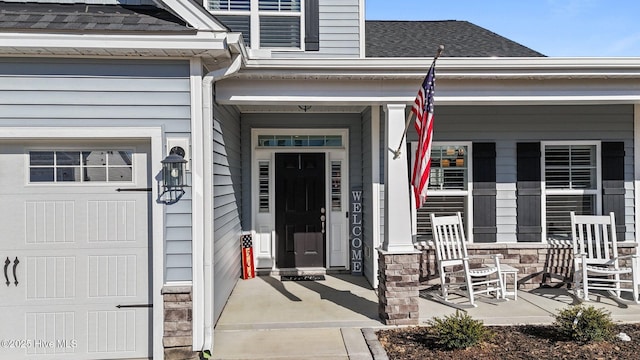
(422, 38)
(87, 18)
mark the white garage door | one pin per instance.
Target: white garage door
(74, 250)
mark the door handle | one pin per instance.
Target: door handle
(15, 266)
(6, 275)
(7, 262)
(323, 221)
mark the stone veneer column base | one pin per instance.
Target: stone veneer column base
(178, 333)
(398, 288)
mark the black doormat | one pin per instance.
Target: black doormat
(301, 277)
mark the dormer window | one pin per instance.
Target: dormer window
(265, 24)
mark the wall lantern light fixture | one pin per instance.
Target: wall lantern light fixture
(173, 176)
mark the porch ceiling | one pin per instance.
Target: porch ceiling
(312, 109)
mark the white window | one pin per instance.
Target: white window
(273, 24)
(449, 185)
(571, 182)
(49, 166)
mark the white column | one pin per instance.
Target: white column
(375, 189)
(636, 169)
(397, 201)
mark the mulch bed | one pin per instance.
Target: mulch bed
(510, 342)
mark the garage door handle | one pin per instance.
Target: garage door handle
(6, 266)
(133, 189)
(15, 266)
(135, 306)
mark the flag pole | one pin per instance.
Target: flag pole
(397, 152)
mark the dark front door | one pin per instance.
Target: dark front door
(300, 210)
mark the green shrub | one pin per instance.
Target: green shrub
(585, 323)
(458, 331)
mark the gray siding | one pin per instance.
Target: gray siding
(67, 92)
(339, 31)
(507, 125)
(227, 198)
(299, 121)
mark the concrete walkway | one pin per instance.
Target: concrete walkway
(266, 318)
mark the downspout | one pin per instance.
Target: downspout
(207, 114)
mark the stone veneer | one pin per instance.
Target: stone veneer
(178, 333)
(539, 264)
(398, 288)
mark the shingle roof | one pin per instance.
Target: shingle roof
(87, 18)
(422, 38)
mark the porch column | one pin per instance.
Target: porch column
(397, 203)
(636, 171)
(398, 262)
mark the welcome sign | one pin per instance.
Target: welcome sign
(355, 233)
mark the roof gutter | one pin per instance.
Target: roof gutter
(207, 114)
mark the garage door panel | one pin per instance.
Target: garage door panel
(107, 333)
(77, 259)
(53, 222)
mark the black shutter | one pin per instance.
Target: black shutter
(312, 25)
(529, 192)
(613, 183)
(484, 192)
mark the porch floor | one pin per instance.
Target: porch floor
(266, 318)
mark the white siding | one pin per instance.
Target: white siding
(67, 92)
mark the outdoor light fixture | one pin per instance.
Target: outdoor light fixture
(173, 176)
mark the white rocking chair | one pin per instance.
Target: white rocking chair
(453, 261)
(596, 260)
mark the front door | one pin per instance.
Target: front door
(300, 210)
(75, 250)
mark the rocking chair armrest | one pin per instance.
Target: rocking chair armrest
(629, 256)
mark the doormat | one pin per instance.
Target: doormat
(301, 277)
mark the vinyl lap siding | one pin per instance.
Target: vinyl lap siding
(508, 125)
(227, 198)
(126, 93)
(339, 31)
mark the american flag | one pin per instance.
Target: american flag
(423, 109)
(246, 241)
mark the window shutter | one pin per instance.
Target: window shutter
(312, 26)
(613, 183)
(484, 192)
(529, 192)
